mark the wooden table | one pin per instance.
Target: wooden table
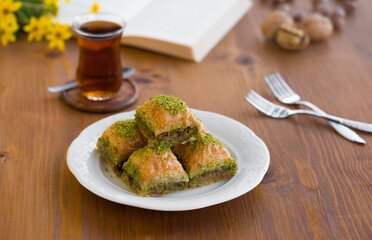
(318, 185)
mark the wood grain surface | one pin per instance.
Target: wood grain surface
(318, 185)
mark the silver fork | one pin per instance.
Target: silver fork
(272, 110)
(286, 95)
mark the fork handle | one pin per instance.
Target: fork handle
(365, 127)
(339, 128)
(311, 105)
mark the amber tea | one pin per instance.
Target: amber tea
(99, 71)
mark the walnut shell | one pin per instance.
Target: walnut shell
(271, 23)
(318, 27)
(291, 37)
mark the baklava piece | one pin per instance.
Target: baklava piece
(119, 141)
(167, 119)
(154, 171)
(206, 160)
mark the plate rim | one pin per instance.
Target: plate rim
(253, 185)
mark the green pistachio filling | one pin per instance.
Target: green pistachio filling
(131, 176)
(171, 138)
(176, 136)
(108, 152)
(106, 149)
(216, 173)
(227, 164)
(144, 126)
(166, 187)
(155, 188)
(172, 104)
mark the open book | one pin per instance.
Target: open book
(183, 28)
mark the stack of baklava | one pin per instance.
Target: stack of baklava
(166, 148)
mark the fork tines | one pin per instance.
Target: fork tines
(278, 85)
(259, 102)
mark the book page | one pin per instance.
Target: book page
(178, 21)
(182, 28)
(127, 9)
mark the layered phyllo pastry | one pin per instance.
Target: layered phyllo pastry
(166, 148)
(153, 171)
(119, 141)
(206, 160)
(167, 120)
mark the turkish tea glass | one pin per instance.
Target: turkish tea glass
(99, 71)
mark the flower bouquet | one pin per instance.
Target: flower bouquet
(34, 17)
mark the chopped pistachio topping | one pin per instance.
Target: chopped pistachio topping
(131, 169)
(204, 140)
(144, 126)
(158, 149)
(127, 128)
(172, 104)
(106, 149)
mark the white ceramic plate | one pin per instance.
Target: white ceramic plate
(249, 151)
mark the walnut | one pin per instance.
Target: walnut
(291, 37)
(271, 23)
(318, 27)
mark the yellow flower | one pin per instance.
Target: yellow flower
(50, 2)
(7, 29)
(95, 8)
(9, 25)
(47, 21)
(7, 8)
(52, 6)
(37, 28)
(57, 36)
(6, 37)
